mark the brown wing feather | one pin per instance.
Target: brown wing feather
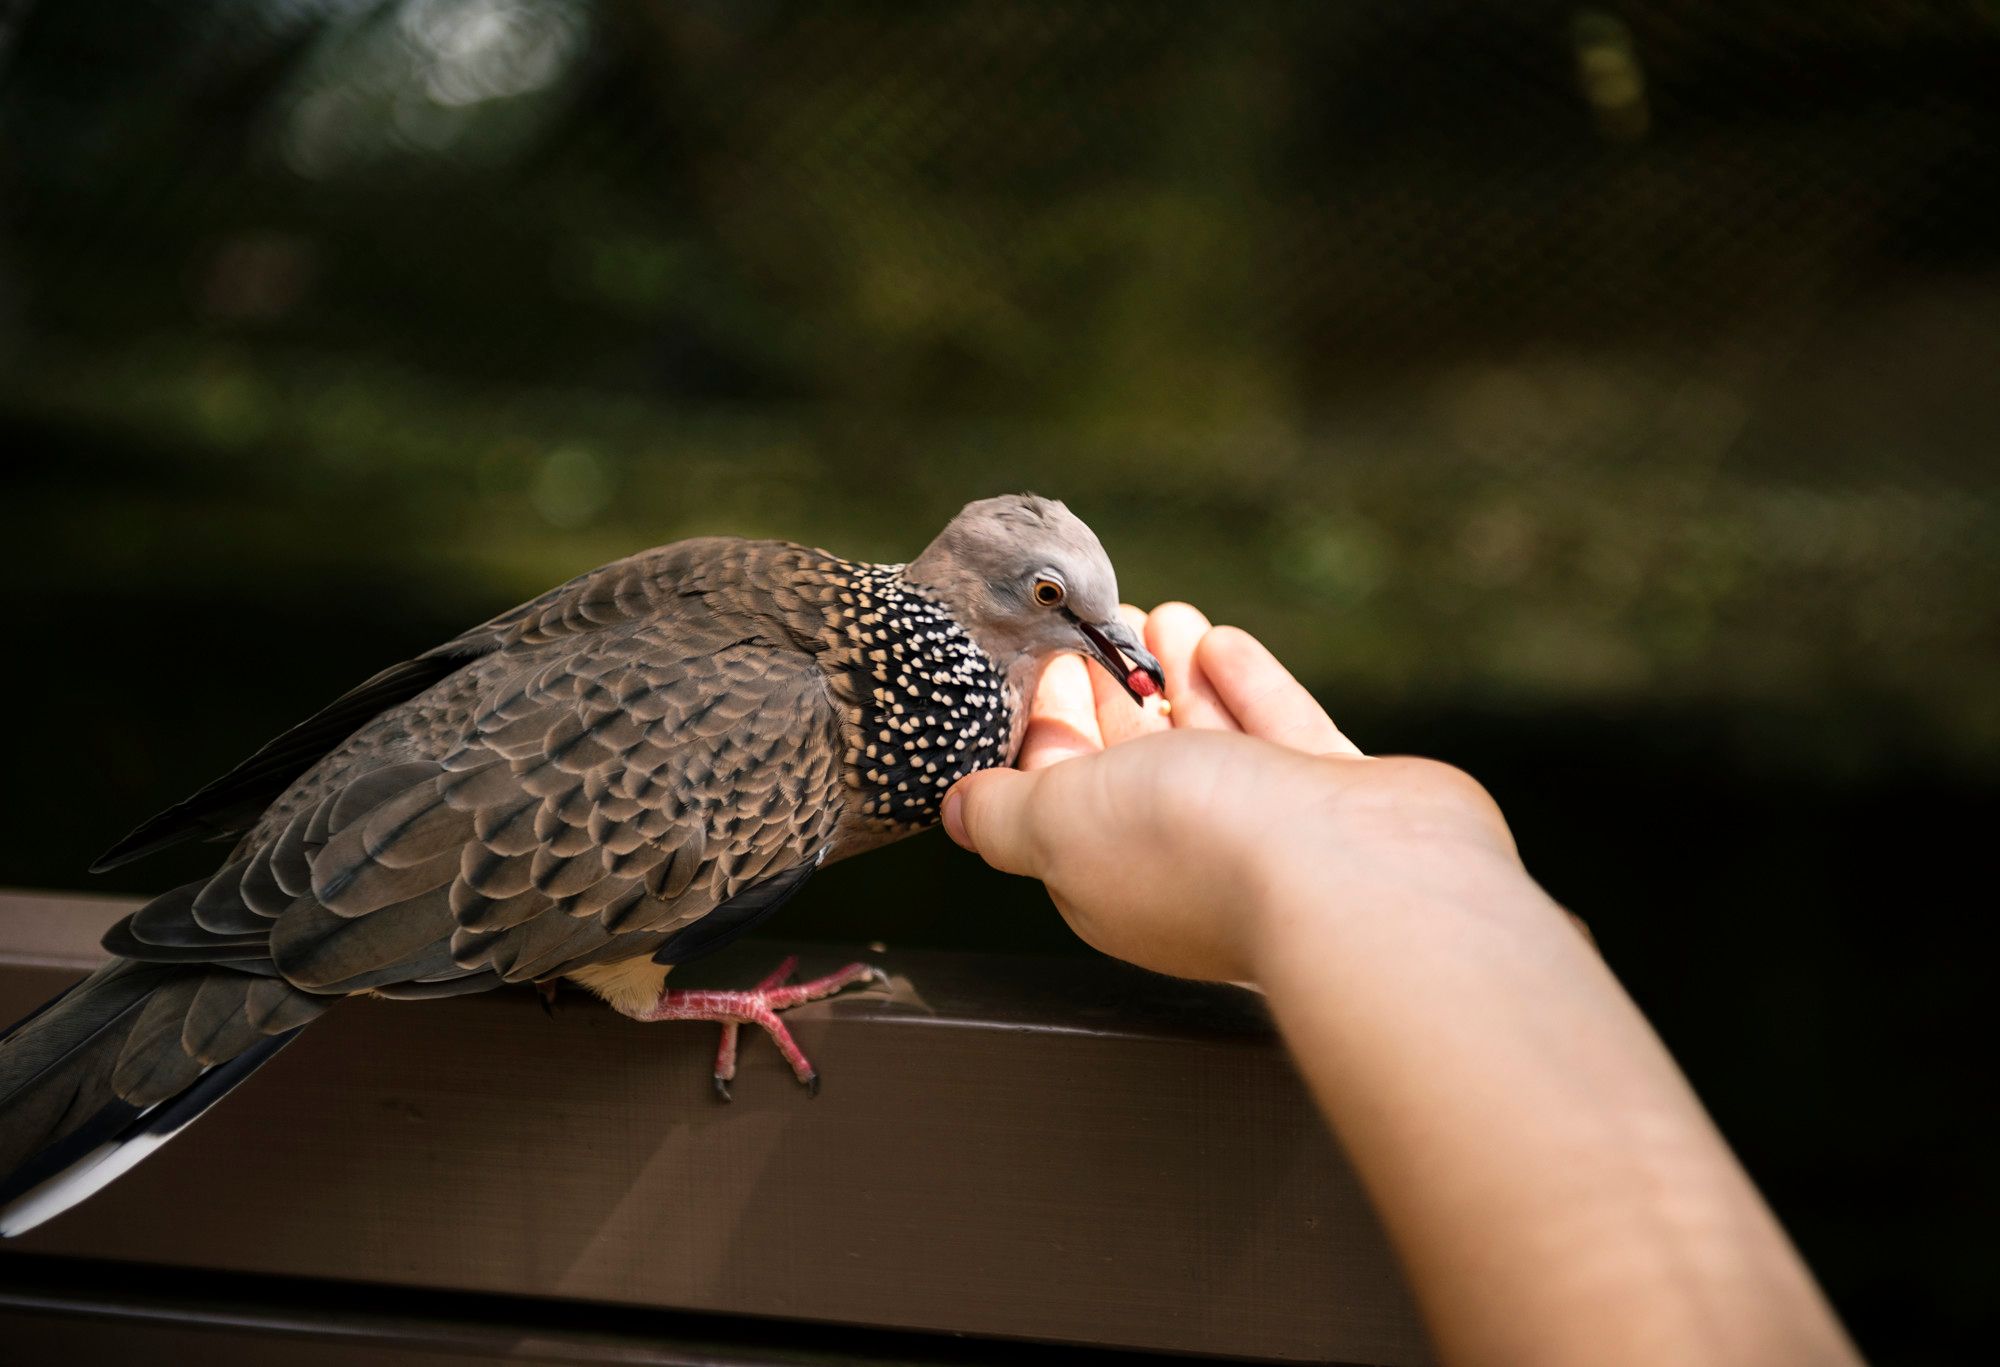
(620, 757)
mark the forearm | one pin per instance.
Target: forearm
(1553, 1186)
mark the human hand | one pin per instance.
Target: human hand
(1159, 837)
(1515, 1122)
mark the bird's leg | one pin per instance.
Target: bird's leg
(758, 1006)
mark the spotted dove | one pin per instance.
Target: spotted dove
(623, 774)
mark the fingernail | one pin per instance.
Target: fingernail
(954, 820)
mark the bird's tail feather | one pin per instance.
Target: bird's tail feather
(107, 1072)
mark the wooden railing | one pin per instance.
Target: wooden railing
(1004, 1149)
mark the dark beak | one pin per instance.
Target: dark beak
(1116, 647)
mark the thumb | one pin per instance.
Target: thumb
(990, 813)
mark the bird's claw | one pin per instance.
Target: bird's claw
(759, 1006)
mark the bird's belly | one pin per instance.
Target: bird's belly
(629, 985)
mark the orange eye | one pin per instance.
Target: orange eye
(1048, 593)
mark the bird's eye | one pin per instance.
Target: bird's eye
(1048, 593)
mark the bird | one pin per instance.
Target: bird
(623, 774)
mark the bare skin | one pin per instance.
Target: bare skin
(1555, 1190)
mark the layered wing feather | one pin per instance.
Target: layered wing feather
(606, 766)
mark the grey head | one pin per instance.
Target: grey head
(1029, 581)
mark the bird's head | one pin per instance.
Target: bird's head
(1029, 580)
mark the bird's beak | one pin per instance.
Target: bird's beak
(1116, 646)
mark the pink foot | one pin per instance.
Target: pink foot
(760, 1007)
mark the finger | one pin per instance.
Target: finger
(1264, 697)
(990, 814)
(1119, 718)
(1173, 630)
(1062, 723)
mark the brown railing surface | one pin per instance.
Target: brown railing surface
(1004, 1149)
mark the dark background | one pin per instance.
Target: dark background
(1604, 399)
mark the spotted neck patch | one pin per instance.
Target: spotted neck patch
(930, 706)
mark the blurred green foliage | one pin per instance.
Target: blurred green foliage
(1526, 356)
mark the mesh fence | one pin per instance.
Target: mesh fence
(1491, 351)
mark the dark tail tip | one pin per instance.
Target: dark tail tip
(113, 1141)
